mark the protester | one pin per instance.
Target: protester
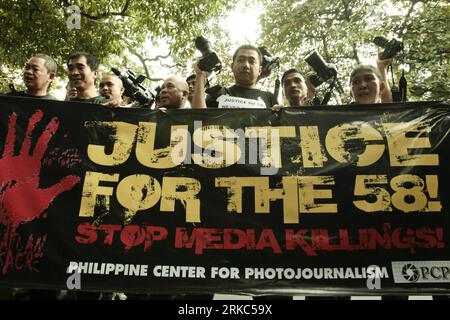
(367, 84)
(71, 92)
(174, 93)
(297, 89)
(83, 71)
(367, 87)
(191, 84)
(111, 88)
(38, 74)
(246, 67)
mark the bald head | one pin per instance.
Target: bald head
(174, 93)
(111, 86)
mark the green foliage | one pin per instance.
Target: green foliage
(342, 31)
(107, 27)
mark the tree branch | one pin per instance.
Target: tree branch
(159, 57)
(156, 79)
(104, 14)
(140, 57)
(33, 8)
(171, 66)
(355, 53)
(144, 60)
(339, 87)
(347, 11)
(405, 21)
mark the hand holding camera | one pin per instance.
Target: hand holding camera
(324, 71)
(197, 70)
(391, 47)
(311, 88)
(210, 61)
(268, 64)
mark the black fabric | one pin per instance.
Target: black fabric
(273, 297)
(53, 156)
(24, 94)
(95, 100)
(235, 91)
(394, 297)
(441, 297)
(326, 297)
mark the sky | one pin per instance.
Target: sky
(243, 24)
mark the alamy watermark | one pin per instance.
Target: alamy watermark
(218, 146)
(374, 274)
(74, 19)
(73, 282)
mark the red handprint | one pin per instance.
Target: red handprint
(21, 198)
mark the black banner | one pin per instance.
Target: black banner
(347, 199)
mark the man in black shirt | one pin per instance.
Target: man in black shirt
(39, 72)
(83, 70)
(246, 69)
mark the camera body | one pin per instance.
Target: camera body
(391, 47)
(158, 94)
(12, 88)
(133, 86)
(210, 61)
(268, 64)
(324, 71)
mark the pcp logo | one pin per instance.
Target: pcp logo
(421, 271)
(410, 272)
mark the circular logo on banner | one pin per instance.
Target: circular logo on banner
(410, 272)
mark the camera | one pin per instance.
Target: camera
(133, 86)
(391, 48)
(12, 88)
(210, 61)
(324, 71)
(158, 93)
(269, 63)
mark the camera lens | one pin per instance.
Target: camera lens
(323, 70)
(202, 45)
(209, 61)
(316, 62)
(391, 48)
(315, 80)
(381, 41)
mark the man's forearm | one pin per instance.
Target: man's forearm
(199, 98)
(386, 95)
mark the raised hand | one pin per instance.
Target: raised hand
(21, 197)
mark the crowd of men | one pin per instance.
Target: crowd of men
(368, 86)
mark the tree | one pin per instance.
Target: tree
(427, 38)
(342, 31)
(107, 28)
